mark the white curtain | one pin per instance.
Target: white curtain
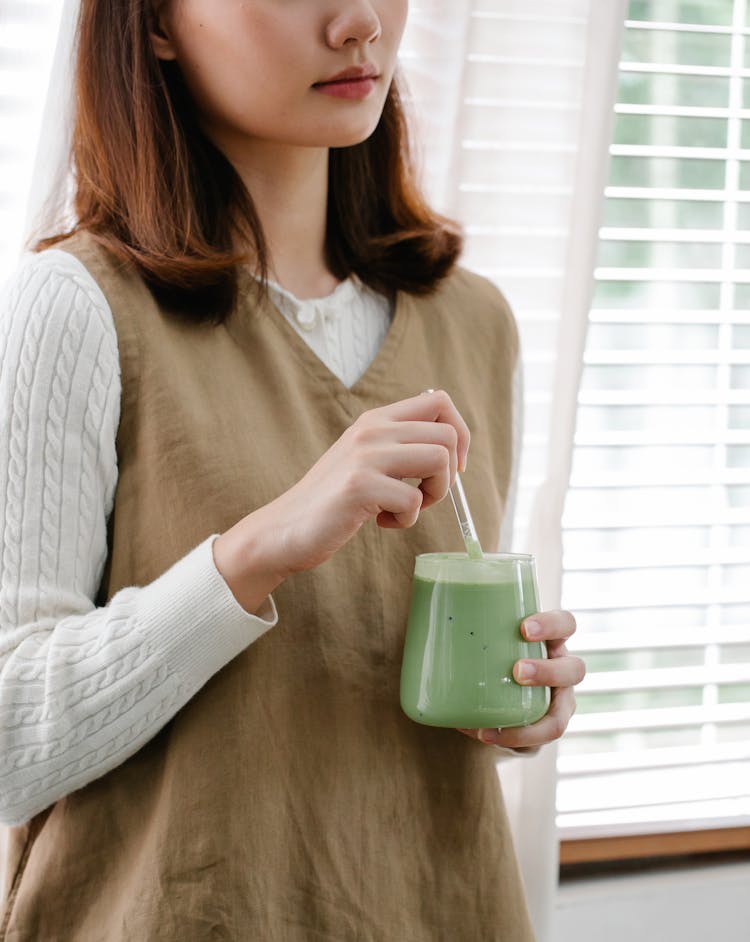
(534, 782)
(531, 146)
(50, 190)
(515, 104)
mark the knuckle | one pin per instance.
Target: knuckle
(356, 481)
(361, 434)
(373, 414)
(440, 457)
(363, 461)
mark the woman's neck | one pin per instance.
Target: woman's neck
(289, 187)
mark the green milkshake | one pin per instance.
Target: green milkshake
(463, 638)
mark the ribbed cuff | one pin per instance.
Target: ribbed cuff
(191, 617)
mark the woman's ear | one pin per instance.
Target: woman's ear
(158, 31)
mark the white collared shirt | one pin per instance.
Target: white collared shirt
(345, 328)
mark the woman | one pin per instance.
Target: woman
(212, 385)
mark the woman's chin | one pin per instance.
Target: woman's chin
(348, 137)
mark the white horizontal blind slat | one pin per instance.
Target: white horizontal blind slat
(657, 519)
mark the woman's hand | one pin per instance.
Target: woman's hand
(359, 477)
(560, 671)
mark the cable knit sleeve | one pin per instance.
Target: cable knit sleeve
(83, 688)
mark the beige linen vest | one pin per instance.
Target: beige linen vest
(290, 800)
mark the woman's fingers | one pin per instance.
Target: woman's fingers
(435, 486)
(409, 461)
(559, 670)
(428, 462)
(433, 464)
(422, 438)
(548, 626)
(436, 406)
(404, 503)
(564, 670)
(549, 728)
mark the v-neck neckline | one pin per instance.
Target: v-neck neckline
(375, 373)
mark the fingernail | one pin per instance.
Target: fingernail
(463, 462)
(487, 735)
(525, 671)
(532, 629)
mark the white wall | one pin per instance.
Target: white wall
(688, 905)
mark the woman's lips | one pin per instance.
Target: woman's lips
(347, 88)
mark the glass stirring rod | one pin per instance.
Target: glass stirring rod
(468, 529)
(465, 522)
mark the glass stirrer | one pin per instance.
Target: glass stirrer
(465, 521)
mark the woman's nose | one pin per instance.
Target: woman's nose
(356, 23)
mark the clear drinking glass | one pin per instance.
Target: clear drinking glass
(463, 638)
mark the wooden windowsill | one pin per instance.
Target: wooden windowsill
(676, 844)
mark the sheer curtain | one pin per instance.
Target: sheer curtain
(50, 187)
(28, 34)
(515, 105)
(513, 102)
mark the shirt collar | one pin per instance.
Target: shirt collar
(307, 311)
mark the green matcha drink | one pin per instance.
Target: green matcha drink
(463, 638)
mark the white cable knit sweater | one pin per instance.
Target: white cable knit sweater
(83, 688)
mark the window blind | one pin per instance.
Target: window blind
(657, 518)
(28, 30)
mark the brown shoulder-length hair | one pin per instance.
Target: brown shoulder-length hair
(151, 187)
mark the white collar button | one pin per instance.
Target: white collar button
(306, 316)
